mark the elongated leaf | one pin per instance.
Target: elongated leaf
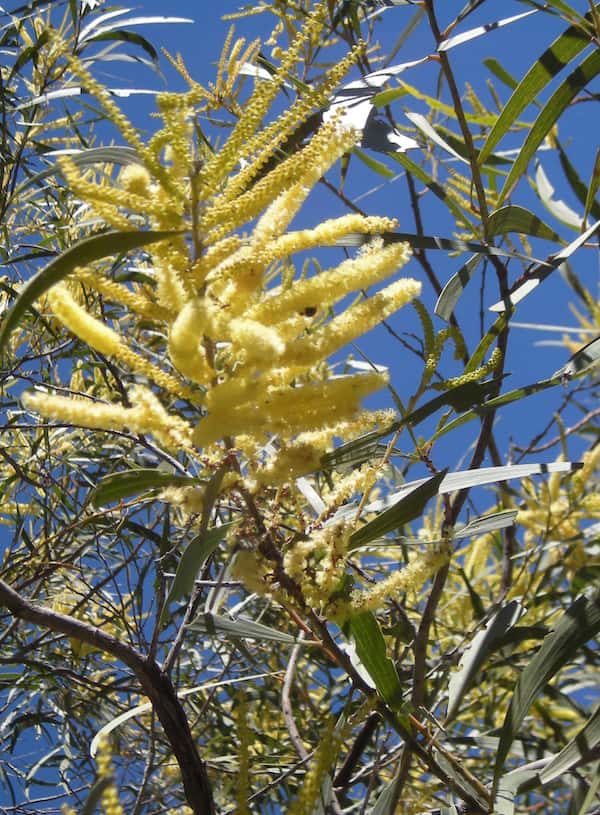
(455, 286)
(487, 523)
(439, 190)
(496, 402)
(146, 707)
(87, 251)
(405, 510)
(481, 647)
(511, 783)
(463, 479)
(591, 205)
(423, 125)
(577, 750)
(433, 242)
(460, 398)
(513, 218)
(558, 102)
(131, 37)
(241, 627)
(480, 30)
(579, 623)
(581, 360)
(570, 43)
(532, 279)
(585, 194)
(193, 559)
(370, 646)
(555, 206)
(116, 486)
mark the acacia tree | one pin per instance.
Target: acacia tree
(230, 587)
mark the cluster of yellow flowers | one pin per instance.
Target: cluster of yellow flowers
(247, 341)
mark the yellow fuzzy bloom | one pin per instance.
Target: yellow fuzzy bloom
(352, 323)
(288, 410)
(185, 338)
(97, 335)
(332, 285)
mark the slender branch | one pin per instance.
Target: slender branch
(155, 683)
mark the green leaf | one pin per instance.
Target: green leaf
(532, 278)
(591, 205)
(386, 800)
(578, 750)
(580, 361)
(487, 523)
(370, 646)
(439, 190)
(548, 116)
(377, 166)
(193, 559)
(455, 286)
(570, 43)
(579, 623)
(87, 251)
(359, 450)
(513, 218)
(116, 486)
(477, 652)
(405, 510)
(212, 624)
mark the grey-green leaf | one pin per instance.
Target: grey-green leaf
(558, 102)
(477, 652)
(87, 251)
(370, 646)
(193, 559)
(570, 43)
(405, 510)
(513, 218)
(241, 627)
(579, 623)
(120, 485)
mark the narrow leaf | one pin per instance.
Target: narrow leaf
(371, 650)
(405, 510)
(581, 360)
(570, 43)
(555, 206)
(577, 751)
(514, 218)
(87, 251)
(120, 485)
(532, 278)
(455, 286)
(578, 624)
(476, 653)
(241, 627)
(488, 523)
(193, 559)
(558, 102)
(466, 36)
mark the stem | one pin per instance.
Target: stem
(155, 683)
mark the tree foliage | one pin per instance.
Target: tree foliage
(226, 585)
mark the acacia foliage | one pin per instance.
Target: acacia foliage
(339, 641)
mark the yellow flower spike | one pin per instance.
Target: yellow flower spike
(146, 415)
(411, 578)
(94, 332)
(106, 341)
(330, 286)
(256, 343)
(135, 179)
(290, 462)
(132, 299)
(185, 338)
(280, 213)
(352, 323)
(289, 410)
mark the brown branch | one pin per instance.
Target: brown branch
(155, 683)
